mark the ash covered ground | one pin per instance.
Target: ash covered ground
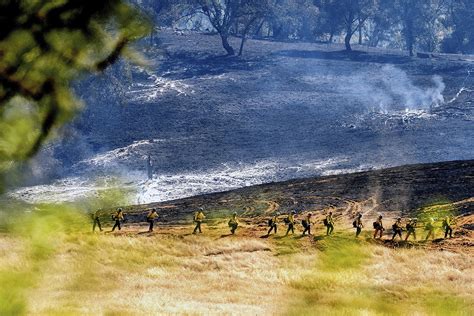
(283, 110)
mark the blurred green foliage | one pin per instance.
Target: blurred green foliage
(44, 46)
(436, 211)
(40, 233)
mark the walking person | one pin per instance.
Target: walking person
(198, 218)
(411, 225)
(272, 223)
(329, 222)
(430, 227)
(397, 229)
(447, 227)
(290, 221)
(233, 223)
(307, 224)
(96, 220)
(150, 218)
(378, 227)
(118, 217)
(357, 224)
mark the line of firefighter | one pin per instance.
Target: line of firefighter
(307, 222)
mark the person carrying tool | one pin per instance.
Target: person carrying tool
(272, 223)
(96, 220)
(447, 227)
(397, 229)
(307, 224)
(290, 221)
(233, 223)
(198, 218)
(411, 226)
(329, 223)
(430, 227)
(118, 218)
(378, 227)
(150, 218)
(357, 224)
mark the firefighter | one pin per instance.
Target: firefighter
(397, 228)
(150, 218)
(447, 227)
(233, 223)
(118, 217)
(290, 220)
(307, 224)
(272, 223)
(198, 218)
(329, 222)
(411, 225)
(378, 226)
(430, 227)
(96, 220)
(357, 224)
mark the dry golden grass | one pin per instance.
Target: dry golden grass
(69, 272)
(160, 274)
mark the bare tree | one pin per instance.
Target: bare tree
(350, 14)
(251, 14)
(222, 15)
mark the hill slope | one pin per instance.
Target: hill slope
(422, 191)
(282, 111)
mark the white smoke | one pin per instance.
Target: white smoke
(165, 187)
(391, 90)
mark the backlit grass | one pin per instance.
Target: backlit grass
(52, 265)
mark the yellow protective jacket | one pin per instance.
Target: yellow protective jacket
(275, 219)
(233, 220)
(199, 216)
(329, 219)
(118, 216)
(447, 222)
(291, 219)
(152, 215)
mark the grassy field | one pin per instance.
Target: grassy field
(51, 265)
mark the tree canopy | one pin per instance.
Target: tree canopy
(44, 46)
(413, 25)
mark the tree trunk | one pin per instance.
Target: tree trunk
(409, 42)
(360, 32)
(347, 40)
(349, 33)
(226, 45)
(410, 49)
(409, 37)
(241, 49)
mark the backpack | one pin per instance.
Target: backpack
(304, 223)
(376, 225)
(354, 224)
(270, 222)
(325, 222)
(286, 220)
